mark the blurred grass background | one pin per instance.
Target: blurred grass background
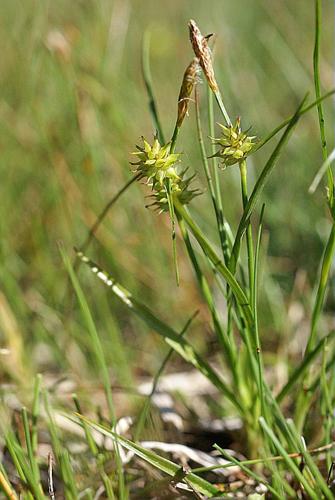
(73, 106)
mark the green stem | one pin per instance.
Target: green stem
(169, 196)
(238, 292)
(317, 85)
(219, 100)
(216, 191)
(301, 112)
(320, 295)
(229, 349)
(102, 216)
(174, 138)
(244, 189)
(304, 397)
(255, 311)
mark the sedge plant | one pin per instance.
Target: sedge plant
(282, 454)
(244, 385)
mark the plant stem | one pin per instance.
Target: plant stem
(220, 266)
(219, 100)
(101, 217)
(317, 85)
(215, 191)
(174, 138)
(244, 189)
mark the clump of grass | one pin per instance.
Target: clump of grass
(283, 454)
(248, 392)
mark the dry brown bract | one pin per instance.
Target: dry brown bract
(203, 53)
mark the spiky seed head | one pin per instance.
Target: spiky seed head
(203, 53)
(181, 190)
(189, 80)
(235, 145)
(159, 168)
(155, 162)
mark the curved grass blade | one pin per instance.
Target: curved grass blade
(314, 470)
(248, 471)
(288, 460)
(102, 216)
(321, 172)
(238, 292)
(171, 337)
(304, 110)
(167, 466)
(144, 412)
(317, 85)
(321, 292)
(227, 344)
(93, 335)
(303, 367)
(214, 188)
(259, 186)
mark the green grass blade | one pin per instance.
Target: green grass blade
(162, 464)
(35, 411)
(30, 450)
(227, 344)
(286, 122)
(326, 166)
(172, 338)
(322, 287)
(95, 340)
(288, 460)
(95, 451)
(144, 412)
(317, 85)
(218, 264)
(103, 215)
(248, 471)
(23, 468)
(213, 188)
(315, 472)
(304, 366)
(255, 311)
(63, 461)
(259, 186)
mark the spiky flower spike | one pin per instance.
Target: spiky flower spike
(234, 144)
(156, 164)
(189, 80)
(203, 53)
(159, 168)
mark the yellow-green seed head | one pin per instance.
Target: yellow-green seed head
(179, 189)
(156, 163)
(159, 168)
(234, 144)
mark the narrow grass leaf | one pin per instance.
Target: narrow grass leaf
(248, 471)
(259, 186)
(315, 472)
(162, 464)
(208, 250)
(310, 490)
(317, 86)
(303, 366)
(286, 122)
(144, 412)
(172, 338)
